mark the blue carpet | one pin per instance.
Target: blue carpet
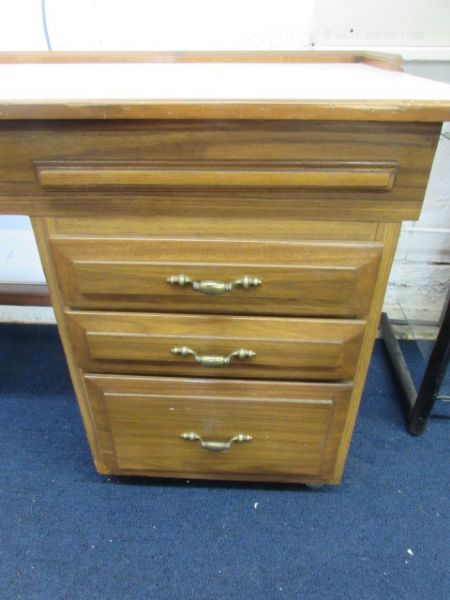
(68, 533)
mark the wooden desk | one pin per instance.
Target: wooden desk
(217, 232)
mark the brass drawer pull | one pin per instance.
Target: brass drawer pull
(215, 446)
(214, 361)
(214, 288)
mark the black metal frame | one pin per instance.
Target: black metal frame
(418, 406)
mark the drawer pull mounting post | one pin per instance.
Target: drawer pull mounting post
(214, 361)
(214, 288)
(216, 446)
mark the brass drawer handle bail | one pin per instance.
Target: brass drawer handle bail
(214, 361)
(214, 288)
(216, 446)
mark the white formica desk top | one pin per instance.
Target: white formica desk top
(216, 90)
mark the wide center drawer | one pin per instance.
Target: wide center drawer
(208, 428)
(216, 345)
(294, 169)
(333, 279)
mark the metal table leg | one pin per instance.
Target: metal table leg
(418, 406)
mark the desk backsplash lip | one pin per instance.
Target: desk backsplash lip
(390, 61)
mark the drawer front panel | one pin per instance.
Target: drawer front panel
(294, 169)
(253, 277)
(216, 346)
(181, 427)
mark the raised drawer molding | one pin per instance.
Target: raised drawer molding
(173, 174)
(217, 255)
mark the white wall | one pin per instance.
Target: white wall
(417, 29)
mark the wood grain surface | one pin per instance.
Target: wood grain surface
(236, 227)
(217, 174)
(310, 349)
(295, 427)
(297, 278)
(409, 145)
